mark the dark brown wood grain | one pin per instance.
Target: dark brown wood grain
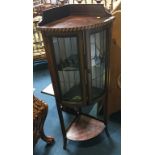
(60, 13)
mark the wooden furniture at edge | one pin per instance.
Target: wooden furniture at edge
(114, 96)
(40, 110)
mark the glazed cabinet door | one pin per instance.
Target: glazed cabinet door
(67, 52)
(96, 53)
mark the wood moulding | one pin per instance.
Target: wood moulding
(68, 18)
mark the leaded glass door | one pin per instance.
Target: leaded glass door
(97, 63)
(68, 60)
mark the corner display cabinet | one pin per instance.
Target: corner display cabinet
(77, 42)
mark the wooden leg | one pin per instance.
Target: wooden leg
(48, 139)
(65, 143)
(61, 123)
(99, 108)
(102, 110)
(105, 114)
(107, 132)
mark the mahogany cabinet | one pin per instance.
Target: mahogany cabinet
(77, 42)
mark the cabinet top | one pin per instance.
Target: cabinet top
(75, 17)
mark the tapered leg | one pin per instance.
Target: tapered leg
(99, 108)
(107, 132)
(65, 143)
(105, 114)
(62, 124)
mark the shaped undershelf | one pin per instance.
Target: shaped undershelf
(85, 128)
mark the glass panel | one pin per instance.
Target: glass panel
(67, 61)
(98, 49)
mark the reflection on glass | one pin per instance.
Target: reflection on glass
(98, 46)
(67, 61)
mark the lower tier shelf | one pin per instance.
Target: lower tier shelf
(84, 128)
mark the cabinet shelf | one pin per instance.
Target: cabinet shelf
(84, 128)
(74, 94)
